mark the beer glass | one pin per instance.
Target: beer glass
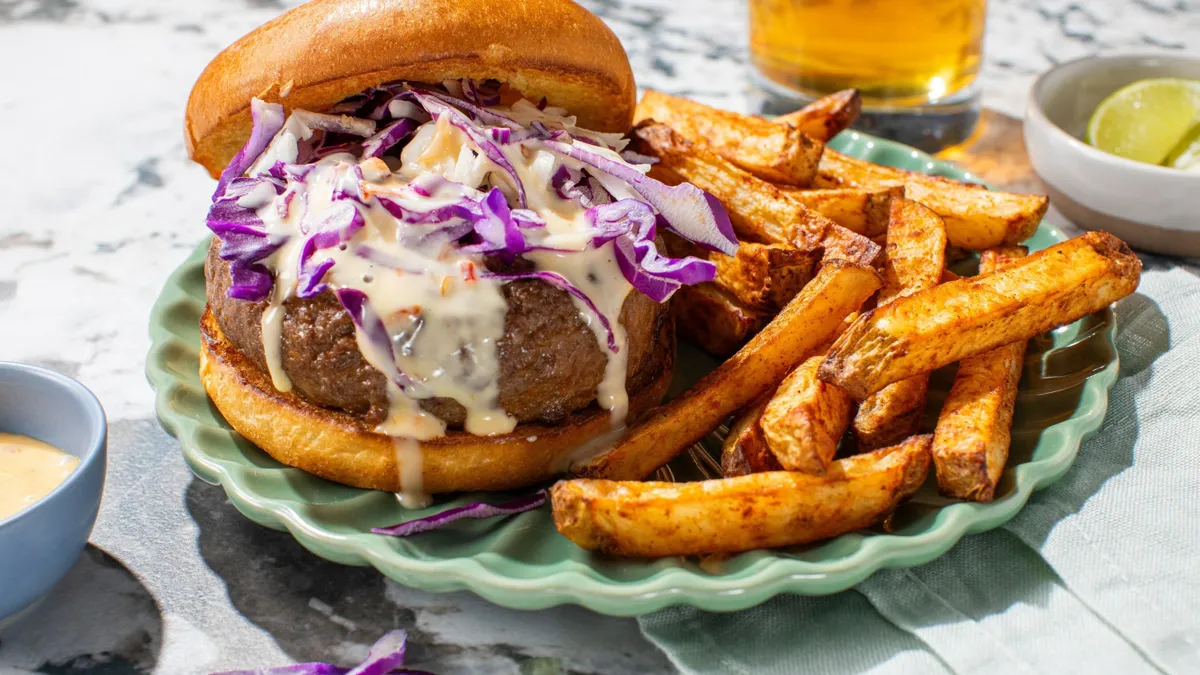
(914, 61)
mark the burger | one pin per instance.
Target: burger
(435, 267)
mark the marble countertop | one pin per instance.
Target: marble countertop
(176, 581)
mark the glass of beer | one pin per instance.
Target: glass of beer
(914, 61)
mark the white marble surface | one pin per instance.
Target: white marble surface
(100, 204)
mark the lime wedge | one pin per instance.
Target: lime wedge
(1186, 154)
(1146, 120)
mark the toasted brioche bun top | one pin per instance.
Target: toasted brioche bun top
(323, 51)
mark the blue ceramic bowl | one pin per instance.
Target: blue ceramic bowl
(38, 545)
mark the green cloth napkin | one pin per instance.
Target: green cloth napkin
(1100, 573)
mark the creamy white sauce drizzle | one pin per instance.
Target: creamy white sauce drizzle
(411, 466)
(272, 341)
(603, 282)
(443, 314)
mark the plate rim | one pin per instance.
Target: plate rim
(766, 577)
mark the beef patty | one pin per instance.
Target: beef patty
(550, 361)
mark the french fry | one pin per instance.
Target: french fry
(891, 413)
(773, 152)
(758, 210)
(761, 276)
(976, 218)
(826, 117)
(915, 256)
(809, 320)
(745, 450)
(947, 323)
(917, 471)
(805, 420)
(714, 320)
(970, 444)
(856, 209)
(726, 515)
(914, 260)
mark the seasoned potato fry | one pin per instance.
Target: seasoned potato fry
(970, 444)
(726, 515)
(976, 218)
(758, 210)
(765, 276)
(809, 320)
(826, 117)
(762, 276)
(891, 413)
(773, 152)
(745, 450)
(805, 420)
(856, 209)
(714, 320)
(915, 256)
(917, 471)
(921, 332)
(914, 260)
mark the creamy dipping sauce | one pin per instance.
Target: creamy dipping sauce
(29, 470)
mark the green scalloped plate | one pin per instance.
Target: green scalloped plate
(522, 562)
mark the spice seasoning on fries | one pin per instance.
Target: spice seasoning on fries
(808, 350)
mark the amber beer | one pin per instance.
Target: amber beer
(898, 53)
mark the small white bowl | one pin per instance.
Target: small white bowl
(1151, 207)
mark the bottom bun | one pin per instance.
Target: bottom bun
(342, 448)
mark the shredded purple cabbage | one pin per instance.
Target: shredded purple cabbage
(428, 184)
(536, 129)
(266, 121)
(295, 172)
(483, 93)
(377, 107)
(308, 283)
(578, 185)
(638, 158)
(497, 228)
(249, 281)
(387, 137)
(476, 112)
(384, 259)
(385, 657)
(474, 511)
(335, 225)
(689, 211)
(632, 226)
(348, 184)
(486, 225)
(244, 242)
(283, 207)
(463, 209)
(437, 108)
(314, 668)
